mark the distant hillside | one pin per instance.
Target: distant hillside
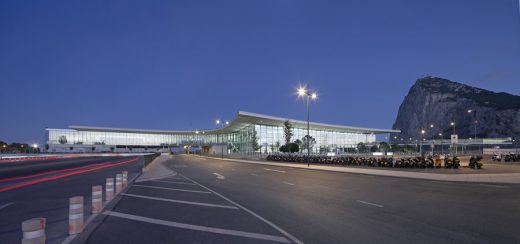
(438, 101)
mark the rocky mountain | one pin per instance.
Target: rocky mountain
(438, 102)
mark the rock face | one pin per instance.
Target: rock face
(438, 101)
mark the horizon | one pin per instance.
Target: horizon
(181, 65)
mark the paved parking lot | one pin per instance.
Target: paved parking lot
(179, 210)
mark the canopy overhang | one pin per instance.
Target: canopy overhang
(242, 120)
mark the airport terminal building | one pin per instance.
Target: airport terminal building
(238, 136)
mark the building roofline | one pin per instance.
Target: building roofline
(242, 119)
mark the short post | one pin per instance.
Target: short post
(97, 199)
(119, 180)
(75, 215)
(34, 231)
(125, 179)
(109, 189)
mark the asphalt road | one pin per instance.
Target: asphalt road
(49, 198)
(213, 201)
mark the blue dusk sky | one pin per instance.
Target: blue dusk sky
(182, 64)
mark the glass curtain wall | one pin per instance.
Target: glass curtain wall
(269, 139)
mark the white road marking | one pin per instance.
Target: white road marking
(291, 237)
(172, 189)
(497, 186)
(253, 174)
(198, 227)
(369, 203)
(180, 201)
(275, 170)
(232, 169)
(219, 176)
(288, 183)
(6, 205)
(174, 182)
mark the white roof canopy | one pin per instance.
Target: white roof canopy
(244, 119)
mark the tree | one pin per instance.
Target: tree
(293, 147)
(373, 148)
(277, 145)
(361, 147)
(287, 131)
(308, 142)
(299, 143)
(290, 148)
(383, 147)
(62, 140)
(254, 141)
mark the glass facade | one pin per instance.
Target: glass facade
(269, 139)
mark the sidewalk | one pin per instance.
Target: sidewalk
(510, 178)
(156, 170)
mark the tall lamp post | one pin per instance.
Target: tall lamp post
(442, 143)
(422, 139)
(454, 144)
(475, 122)
(308, 94)
(433, 137)
(221, 124)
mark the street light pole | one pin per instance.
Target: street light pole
(308, 130)
(218, 122)
(303, 91)
(422, 139)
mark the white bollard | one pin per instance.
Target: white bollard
(109, 189)
(75, 215)
(125, 179)
(97, 199)
(119, 183)
(34, 231)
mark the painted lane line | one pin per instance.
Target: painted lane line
(275, 170)
(174, 182)
(369, 203)
(219, 176)
(285, 233)
(6, 205)
(288, 183)
(253, 174)
(232, 169)
(180, 201)
(198, 227)
(172, 189)
(497, 186)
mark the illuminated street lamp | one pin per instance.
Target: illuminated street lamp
(422, 134)
(453, 125)
(475, 122)
(308, 94)
(221, 124)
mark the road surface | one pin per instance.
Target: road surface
(41, 189)
(213, 201)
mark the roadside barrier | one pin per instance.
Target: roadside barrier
(125, 179)
(149, 158)
(97, 199)
(119, 183)
(109, 189)
(34, 231)
(75, 215)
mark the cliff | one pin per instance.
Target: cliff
(438, 101)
